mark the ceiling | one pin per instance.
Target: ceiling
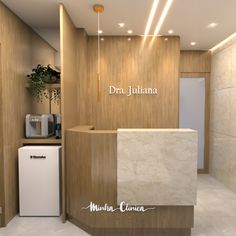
(187, 18)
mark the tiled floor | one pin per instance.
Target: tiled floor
(215, 215)
(36, 226)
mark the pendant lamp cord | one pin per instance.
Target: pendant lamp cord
(98, 43)
(99, 61)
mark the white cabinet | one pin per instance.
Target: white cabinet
(39, 180)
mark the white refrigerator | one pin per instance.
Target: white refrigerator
(39, 180)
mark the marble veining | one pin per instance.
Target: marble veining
(223, 116)
(157, 166)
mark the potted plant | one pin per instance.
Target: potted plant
(38, 80)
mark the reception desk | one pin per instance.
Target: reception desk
(151, 168)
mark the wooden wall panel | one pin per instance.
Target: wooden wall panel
(15, 41)
(125, 63)
(82, 47)
(69, 85)
(1, 151)
(16, 46)
(69, 70)
(77, 186)
(197, 64)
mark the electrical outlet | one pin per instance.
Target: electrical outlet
(0, 210)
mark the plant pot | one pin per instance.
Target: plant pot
(50, 79)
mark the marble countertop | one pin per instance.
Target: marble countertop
(157, 166)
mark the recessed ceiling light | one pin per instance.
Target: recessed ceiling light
(212, 25)
(121, 25)
(163, 16)
(166, 39)
(193, 43)
(100, 31)
(130, 31)
(129, 39)
(102, 39)
(151, 16)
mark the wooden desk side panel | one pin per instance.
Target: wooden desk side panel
(92, 176)
(104, 168)
(78, 174)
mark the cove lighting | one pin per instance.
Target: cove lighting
(130, 31)
(151, 16)
(163, 16)
(223, 42)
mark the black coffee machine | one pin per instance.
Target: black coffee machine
(57, 127)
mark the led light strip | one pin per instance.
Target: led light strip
(225, 41)
(151, 17)
(163, 16)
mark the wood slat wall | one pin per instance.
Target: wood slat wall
(18, 42)
(125, 63)
(197, 64)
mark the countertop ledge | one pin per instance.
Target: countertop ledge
(91, 128)
(156, 130)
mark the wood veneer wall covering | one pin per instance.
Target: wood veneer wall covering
(125, 63)
(82, 55)
(20, 47)
(69, 71)
(69, 85)
(197, 64)
(1, 149)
